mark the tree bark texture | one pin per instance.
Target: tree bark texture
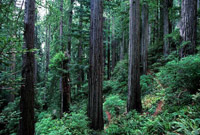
(27, 88)
(145, 37)
(66, 86)
(134, 93)
(108, 50)
(188, 30)
(66, 95)
(167, 4)
(95, 107)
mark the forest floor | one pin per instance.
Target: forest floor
(155, 98)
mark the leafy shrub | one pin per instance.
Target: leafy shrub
(119, 81)
(9, 118)
(180, 78)
(114, 104)
(147, 84)
(183, 74)
(126, 125)
(183, 120)
(120, 72)
(70, 124)
(188, 126)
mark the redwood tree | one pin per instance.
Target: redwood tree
(188, 30)
(134, 92)
(145, 37)
(95, 107)
(27, 88)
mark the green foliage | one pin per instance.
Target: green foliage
(70, 124)
(9, 118)
(126, 124)
(188, 126)
(120, 72)
(146, 84)
(182, 75)
(182, 121)
(57, 60)
(119, 81)
(114, 104)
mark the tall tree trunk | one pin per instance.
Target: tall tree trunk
(122, 47)
(80, 51)
(66, 76)
(198, 4)
(108, 52)
(27, 126)
(161, 34)
(188, 30)
(145, 36)
(134, 92)
(167, 4)
(95, 106)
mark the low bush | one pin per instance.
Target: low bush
(183, 74)
(118, 84)
(114, 104)
(70, 124)
(147, 84)
(9, 118)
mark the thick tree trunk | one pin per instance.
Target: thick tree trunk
(188, 30)
(95, 106)
(66, 85)
(27, 126)
(167, 4)
(66, 76)
(144, 39)
(134, 92)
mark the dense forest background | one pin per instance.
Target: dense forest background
(116, 67)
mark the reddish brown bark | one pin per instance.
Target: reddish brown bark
(188, 30)
(27, 126)
(95, 106)
(134, 92)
